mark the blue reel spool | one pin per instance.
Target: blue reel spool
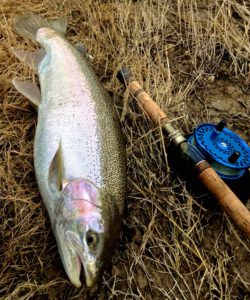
(228, 154)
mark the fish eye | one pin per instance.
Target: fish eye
(92, 239)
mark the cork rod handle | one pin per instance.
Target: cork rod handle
(228, 200)
(153, 111)
(156, 115)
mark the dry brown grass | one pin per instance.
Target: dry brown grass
(174, 244)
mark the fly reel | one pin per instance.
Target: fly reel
(228, 153)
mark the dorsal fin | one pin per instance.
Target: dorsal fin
(59, 25)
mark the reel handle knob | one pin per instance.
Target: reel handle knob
(220, 126)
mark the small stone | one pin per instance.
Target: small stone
(211, 78)
(171, 199)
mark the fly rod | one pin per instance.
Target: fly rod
(205, 173)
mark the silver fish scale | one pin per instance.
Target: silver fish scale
(76, 112)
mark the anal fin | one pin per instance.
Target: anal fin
(30, 90)
(30, 58)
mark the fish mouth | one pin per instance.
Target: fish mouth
(90, 270)
(90, 275)
(75, 258)
(78, 264)
(74, 273)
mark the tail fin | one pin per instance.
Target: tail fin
(28, 24)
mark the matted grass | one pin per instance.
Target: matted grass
(192, 56)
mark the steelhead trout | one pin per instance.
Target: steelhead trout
(79, 155)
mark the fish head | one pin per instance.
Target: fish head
(85, 229)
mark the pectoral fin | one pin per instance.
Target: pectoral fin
(30, 90)
(56, 170)
(30, 58)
